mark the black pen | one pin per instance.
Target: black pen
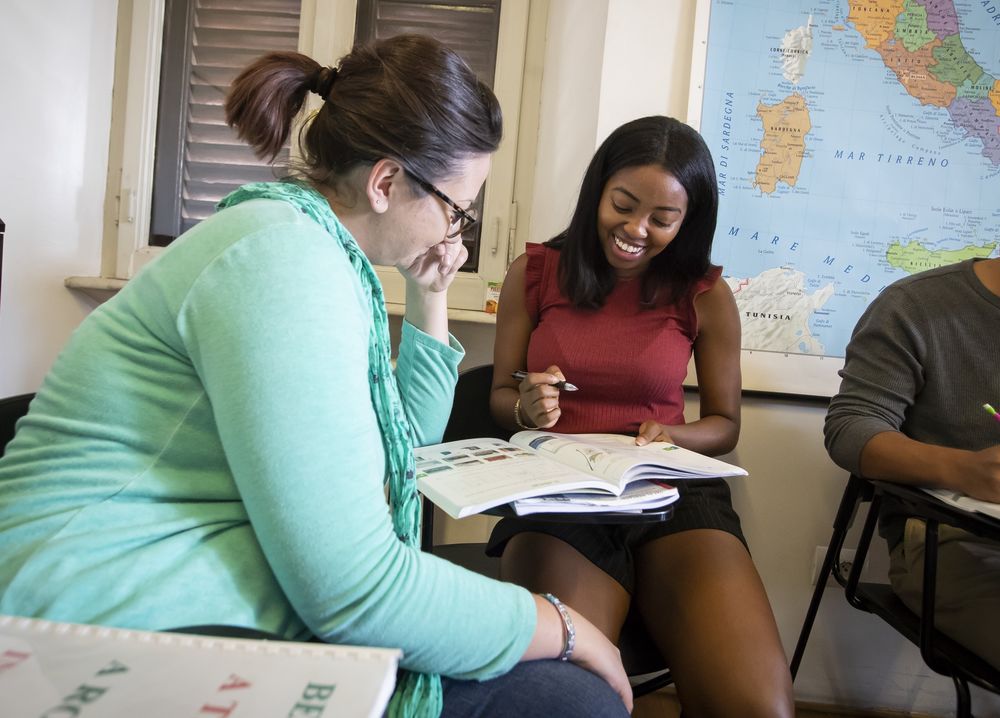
(521, 375)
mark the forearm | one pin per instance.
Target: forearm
(475, 628)
(591, 648)
(502, 402)
(710, 435)
(426, 371)
(893, 456)
(427, 311)
(547, 640)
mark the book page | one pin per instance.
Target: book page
(966, 503)
(470, 476)
(616, 458)
(49, 668)
(638, 496)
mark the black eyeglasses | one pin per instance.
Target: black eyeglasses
(465, 218)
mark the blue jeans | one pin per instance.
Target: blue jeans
(534, 689)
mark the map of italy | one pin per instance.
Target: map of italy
(919, 40)
(855, 142)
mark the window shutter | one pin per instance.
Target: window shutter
(469, 27)
(199, 158)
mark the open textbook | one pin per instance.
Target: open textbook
(470, 476)
(66, 669)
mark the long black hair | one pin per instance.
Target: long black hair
(585, 276)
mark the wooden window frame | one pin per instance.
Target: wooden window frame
(126, 247)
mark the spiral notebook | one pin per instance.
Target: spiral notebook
(49, 669)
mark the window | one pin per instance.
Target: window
(469, 28)
(199, 159)
(172, 157)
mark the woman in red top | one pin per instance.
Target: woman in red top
(618, 303)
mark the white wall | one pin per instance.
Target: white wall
(57, 60)
(646, 64)
(568, 130)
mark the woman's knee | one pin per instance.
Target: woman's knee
(762, 701)
(771, 701)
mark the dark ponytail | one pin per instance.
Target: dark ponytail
(266, 97)
(407, 98)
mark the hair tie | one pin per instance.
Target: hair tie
(323, 81)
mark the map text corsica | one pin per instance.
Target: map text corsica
(786, 123)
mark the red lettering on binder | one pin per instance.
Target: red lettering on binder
(218, 710)
(9, 659)
(234, 681)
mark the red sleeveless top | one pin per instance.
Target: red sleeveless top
(629, 362)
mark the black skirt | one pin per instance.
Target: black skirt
(703, 504)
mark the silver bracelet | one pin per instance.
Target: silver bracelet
(569, 632)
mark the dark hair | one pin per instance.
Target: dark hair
(407, 98)
(586, 278)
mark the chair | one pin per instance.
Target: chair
(470, 418)
(940, 653)
(11, 409)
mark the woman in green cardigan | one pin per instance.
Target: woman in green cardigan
(212, 445)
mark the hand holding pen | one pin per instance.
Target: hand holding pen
(537, 405)
(564, 385)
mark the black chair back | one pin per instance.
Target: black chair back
(470, 411)
(11, 409)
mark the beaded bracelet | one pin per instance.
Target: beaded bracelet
(569, 632)
(517, 415)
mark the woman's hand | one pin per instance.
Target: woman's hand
(593, 651)
(539, 399)
(651, 431)
(427, 276)
(434, 270)
(598, 655)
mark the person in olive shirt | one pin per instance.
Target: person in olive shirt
(920, 365)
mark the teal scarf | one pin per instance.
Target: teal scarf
(418, 695)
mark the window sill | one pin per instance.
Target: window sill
(101, 289)
(454, 315)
